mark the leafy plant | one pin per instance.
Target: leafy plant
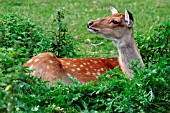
(28, 39)
(13, 79)
(61, 42)
(20, 34)
(157, 44)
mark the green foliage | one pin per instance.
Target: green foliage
(19, 34)
(61, 42)
(147, 92)
(157, 44)
(28, 40)
(149, 89)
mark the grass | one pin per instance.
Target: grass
(78, 12)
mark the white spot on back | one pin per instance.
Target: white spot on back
(62, 60)
(48, 67)
(84, 63)
(74, 65)
(81, 65)
(36, 60)
(95, 62)
(98, 73)
(91, 67)
(78, 69)
(73, 70)
(51, 55)
(30, 61)
(65, 66)
(68, 74)
(98, 70)
(101, 69)
(87, 73)
(68, 63)
(94, 73)
(74, 59)
(51, 61)
(31, 67)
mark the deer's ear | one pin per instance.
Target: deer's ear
(128, 18)
(113, 10)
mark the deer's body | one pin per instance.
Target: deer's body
(117, 28)
(48, 67)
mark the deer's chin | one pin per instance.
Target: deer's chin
(92, 30)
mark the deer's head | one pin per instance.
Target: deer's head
(116, 27)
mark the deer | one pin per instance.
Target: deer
(118, 27)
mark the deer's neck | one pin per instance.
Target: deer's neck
(128, 52)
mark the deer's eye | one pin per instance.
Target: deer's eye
(115, 22)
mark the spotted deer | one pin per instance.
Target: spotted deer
(118, 28)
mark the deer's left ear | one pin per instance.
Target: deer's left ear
(113, 10)
(128, 18)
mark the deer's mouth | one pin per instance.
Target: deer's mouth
(93, 30)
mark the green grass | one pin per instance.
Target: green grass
(146, 14)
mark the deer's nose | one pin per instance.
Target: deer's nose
(89, 24)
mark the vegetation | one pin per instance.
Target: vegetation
(157, 44)
(61, 43)
(20, 38)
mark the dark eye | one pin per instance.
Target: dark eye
(115, 22)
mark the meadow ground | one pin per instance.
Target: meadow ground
(147, 13)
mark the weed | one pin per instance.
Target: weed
(61, 42)
(155, 46)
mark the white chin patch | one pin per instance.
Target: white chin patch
(92, 31)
